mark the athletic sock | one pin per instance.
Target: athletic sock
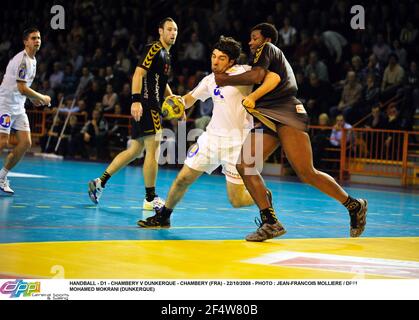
(104, 178)
(150, 194)
(352, 205)
(3, 173)
(268, 216)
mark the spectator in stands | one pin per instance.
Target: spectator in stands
(73, 137)
(69, 84)
(94, 134)
(381, 49)
(85, 81)
(288, 36)
(49, 140)
(109, 99)
(56, 78)
(320, 140)
(351, 95)
(124, 99)
(337, 131)
(335, 43)
(317, 96)
(304, 47)
(317, 67)
(76, 60)
(373, 67)
(393, 77)
(370, 97)
(400, 52)
(194, 54)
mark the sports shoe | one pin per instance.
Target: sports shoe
(156, 221)
(266, 231)
(156, 204)
(95, 190)
(5, 187)
(359, 219)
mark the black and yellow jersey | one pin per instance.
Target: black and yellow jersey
(270, 57)
(156, 61)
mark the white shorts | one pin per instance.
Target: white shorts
(212, 151)
(19, 122)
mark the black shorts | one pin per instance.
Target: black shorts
(288, 112)
(149, 124)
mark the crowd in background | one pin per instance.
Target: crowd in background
(340, 71)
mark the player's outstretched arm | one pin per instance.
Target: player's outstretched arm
(189, 100)
(270, 82)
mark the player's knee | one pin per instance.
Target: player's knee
(183, 181)
(26, 144)
(307, 174)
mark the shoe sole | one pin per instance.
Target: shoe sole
(142, 225)
(365, 212)
(92, 188)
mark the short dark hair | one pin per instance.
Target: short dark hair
(229, 46)
(28, 31)
(267, 30)
(162, 22)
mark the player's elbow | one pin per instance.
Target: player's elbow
(21, 87)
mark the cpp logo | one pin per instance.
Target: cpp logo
(18, 287)
(217, 92)
(5, 121)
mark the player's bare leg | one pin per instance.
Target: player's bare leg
(184, 179)
(238, 195)
(297, 148)
(24, 143)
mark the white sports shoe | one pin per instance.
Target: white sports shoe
(95, 190)
(5, 187)
(156, 204)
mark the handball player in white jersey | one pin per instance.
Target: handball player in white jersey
(14, 90)
(221, 143)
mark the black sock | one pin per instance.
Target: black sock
(150, 194)
(104, 178)
(165, 212)
(351, 204)
(268, 215)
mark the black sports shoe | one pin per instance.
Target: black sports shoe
(359, 219)
(156, 221)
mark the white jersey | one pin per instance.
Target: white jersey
(228, 115)
(20, 68)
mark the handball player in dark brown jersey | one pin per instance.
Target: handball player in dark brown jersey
(284, 120)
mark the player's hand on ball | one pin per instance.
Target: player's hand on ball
(137, 111)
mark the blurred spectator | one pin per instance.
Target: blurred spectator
(351, 95)
(76, 61)
(317, 96)
(400, 52)
(317, 67)
(288, 36)
(337, 131)
(194, 55)
(69, 84)
(125, 99)
(393, 74)
(85, 81)
(335, 43)
(381, 49)
(56, 78)
(320, 140)
(109, 99)
(94, 134)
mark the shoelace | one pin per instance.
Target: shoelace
(258, 222)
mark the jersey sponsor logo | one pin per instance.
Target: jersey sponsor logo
(5, 121)
(300, 108)
(193, 150)
(150, 55)
(217, 92)
(258, 53)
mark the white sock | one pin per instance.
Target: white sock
(3, 173)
